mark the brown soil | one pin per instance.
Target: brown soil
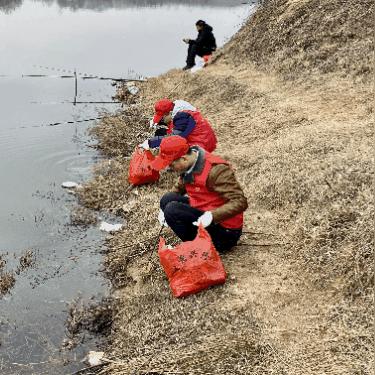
(298, 299)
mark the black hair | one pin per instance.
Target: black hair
(200, 23)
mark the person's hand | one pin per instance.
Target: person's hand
(205, 219)
(153, 124)
(161, 219)
(186, 40)
(144, 145)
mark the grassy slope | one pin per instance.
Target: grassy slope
(298, 298)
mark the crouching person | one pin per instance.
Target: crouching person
(184, 120)
(214, 197)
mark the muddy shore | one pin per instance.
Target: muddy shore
(293, 114)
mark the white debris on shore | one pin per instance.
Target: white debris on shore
(94, 358)
(106, 227)
(132, 88)
(70, 185)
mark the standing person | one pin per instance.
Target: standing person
(184, 120)
(214, 197)
(205, 43)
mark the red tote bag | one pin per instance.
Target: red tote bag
(140, 170)
(192, 266)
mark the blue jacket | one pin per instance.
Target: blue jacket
(183, 125)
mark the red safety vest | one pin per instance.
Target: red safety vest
(170, 128)
(202, 135)
(203, 199)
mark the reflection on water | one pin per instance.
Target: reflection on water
(10, 5)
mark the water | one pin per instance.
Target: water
(109, 38)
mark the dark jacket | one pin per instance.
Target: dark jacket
(205, 39)
(183, 125)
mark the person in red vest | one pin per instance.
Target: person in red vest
(214, 197)
(184, 120)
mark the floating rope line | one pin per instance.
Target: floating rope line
(65, 122)
(35, 76)
(44, 76)
(62, 123)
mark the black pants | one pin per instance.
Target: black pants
(180, 216)
(160, 132)
(193, 51)
(161, 129)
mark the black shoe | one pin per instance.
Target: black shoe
(187, 67)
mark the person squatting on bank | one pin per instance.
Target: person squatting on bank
(214, 197)
(182, 119)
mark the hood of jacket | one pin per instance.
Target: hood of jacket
(181, 105)
(208, 28)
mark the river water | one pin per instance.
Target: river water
(110, 38)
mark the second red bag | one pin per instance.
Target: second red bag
(192, 266)
(140, 170)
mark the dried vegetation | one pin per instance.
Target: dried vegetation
(8, 277)
(298, 38)
(299, 294)
(93, 318)
(7, 281)
(81, 216)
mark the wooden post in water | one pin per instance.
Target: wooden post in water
(75, 87)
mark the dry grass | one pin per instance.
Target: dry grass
(87, 318)
(26, 261)
(8, 276)
(7, 281)
(299, 38)
(81, 216)
(303, 153)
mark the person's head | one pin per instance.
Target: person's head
(200, 25)
(163, 111)
(175, 153)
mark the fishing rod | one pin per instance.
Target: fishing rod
(62, 70)
(74, 77)
(130, 71)
(77, 102)
(68, 73)
(92, 102)
(138, 77)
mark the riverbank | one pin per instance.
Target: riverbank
(292, 108)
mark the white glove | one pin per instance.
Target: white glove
(161, 219)
(153, 124)
(145, 145)
(205, 219)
